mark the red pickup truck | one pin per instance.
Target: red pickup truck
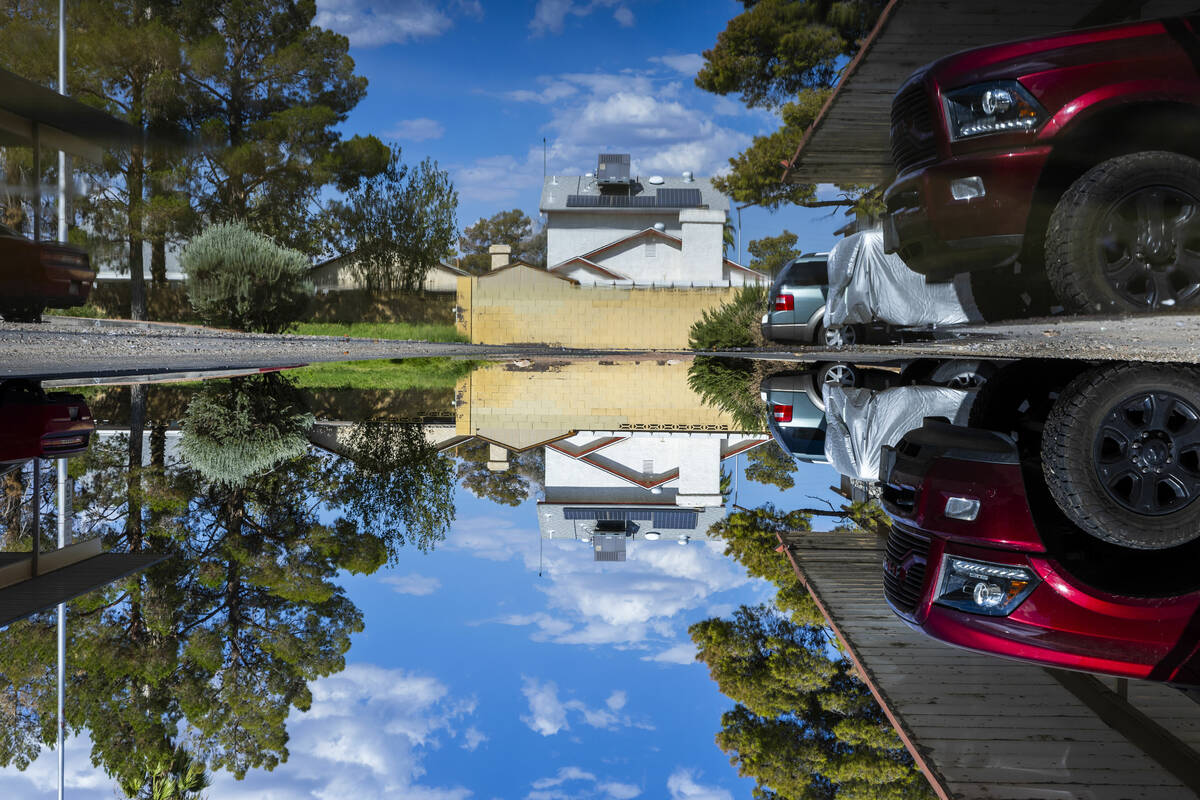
(35, 276)
(1073, 158)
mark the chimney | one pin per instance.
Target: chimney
(500, 255)
(497, 455)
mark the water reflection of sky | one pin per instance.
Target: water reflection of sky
(477, 678)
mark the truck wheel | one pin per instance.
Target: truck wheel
(1121, 454)
(1126, 236)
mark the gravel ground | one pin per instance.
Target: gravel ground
(64, 348)
(1157, 337)
(61, 349)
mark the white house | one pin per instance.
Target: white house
(610, 487)
(611, 227)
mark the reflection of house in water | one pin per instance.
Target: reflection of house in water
(606, 487)
(631, 452)
(980, 726)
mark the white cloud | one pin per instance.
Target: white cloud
(564, 774)
(682, 653)
(413, 584)
(472, 738)
(683, 786)
(619, 791)
(683, 63)
(417, 130)
(548, 714)
(365, 735)
(550, 15)
(368, 23)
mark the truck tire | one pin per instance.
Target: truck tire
(1126, 236)
(1121, 454)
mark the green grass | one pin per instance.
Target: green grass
(425, 332)
(89, 311)
(398, 373)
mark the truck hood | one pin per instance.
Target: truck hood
(1012, 60)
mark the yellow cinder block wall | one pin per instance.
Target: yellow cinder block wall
(521, 305)
(523, 407)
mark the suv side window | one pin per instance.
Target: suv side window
(806, 273)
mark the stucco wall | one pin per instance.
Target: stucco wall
(526, 305)
(573, 233)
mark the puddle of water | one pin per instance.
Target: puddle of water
(498, 580)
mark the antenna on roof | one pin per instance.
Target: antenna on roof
(543, 159)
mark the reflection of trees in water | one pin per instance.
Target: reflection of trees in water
(196, 663)
(804, 726)
(525, 476)
(235, 429)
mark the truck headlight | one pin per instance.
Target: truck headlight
(993, 107)
(981, 587)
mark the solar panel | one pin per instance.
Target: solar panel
(679, 198)
(610, 201)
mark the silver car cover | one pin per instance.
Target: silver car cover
(861, 421)
(867, 285)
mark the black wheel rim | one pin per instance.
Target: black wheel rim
(1149, 247)
(1147, 453)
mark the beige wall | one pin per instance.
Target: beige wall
(526, 305)
(521, 408)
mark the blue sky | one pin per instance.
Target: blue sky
(476, 85)
(477, 679)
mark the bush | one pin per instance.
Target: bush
(735, 324)
(238, 428)
(240, 279)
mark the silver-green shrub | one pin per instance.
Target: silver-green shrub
(237, 278)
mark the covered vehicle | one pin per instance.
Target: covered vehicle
(861, 421)
(796, 414)
(870, 289)
(796, 302)
(35, 276)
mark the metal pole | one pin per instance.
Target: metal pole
(62, 89)
(64, 538)
(37, 513)
(64, 510)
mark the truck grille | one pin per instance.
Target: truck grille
(913, 140)
(904, 569)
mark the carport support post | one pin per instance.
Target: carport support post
(37, 183)
(64, 537)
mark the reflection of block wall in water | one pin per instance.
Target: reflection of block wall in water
(526, 305)
(528, 406)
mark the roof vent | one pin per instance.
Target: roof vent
(658, 226)
(687, 176)
(657, 180)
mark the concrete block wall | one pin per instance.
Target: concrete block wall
(530, 306)
(522, 407)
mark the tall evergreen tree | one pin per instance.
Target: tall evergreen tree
(781, 55)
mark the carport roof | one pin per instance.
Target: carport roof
(63, 123)
(848, 141)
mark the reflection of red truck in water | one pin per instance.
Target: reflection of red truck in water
(1074, 156)
(34, 424)
(987, 553)
(38, 275)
